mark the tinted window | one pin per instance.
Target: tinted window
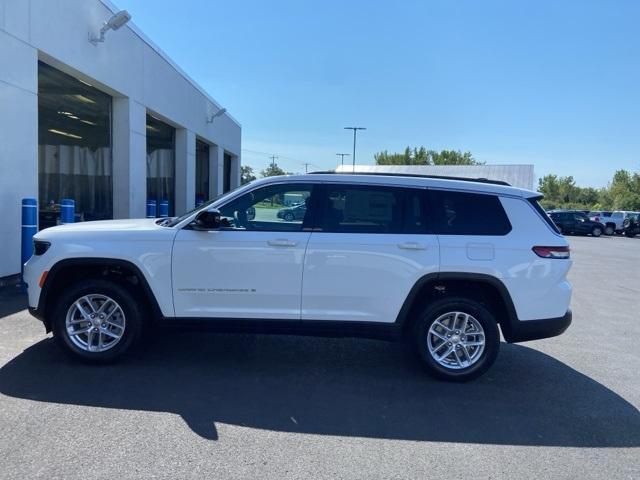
(458, 213)
(267, 208)
(372, 209)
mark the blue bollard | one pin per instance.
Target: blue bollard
(29, 228)
(67, 211)
(151, 208)
(164, 208)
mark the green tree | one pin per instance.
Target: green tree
(422, 156)
(273, 170)
(246, 174)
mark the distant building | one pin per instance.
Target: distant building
(110, 124)
(521, 176)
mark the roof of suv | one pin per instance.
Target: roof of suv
(480, 185)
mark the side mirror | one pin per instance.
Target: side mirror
(207, 220)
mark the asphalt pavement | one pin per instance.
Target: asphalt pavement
(194, 405)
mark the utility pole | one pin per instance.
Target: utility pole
(355, 130)
(306, 167)
(342, 155)
(273, 160)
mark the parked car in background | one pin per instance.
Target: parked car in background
(603, 217)
(294, 212)
(631, 225)
(576, 222)
(617, 219)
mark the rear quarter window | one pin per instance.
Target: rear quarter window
(462, 213)
(548, 218)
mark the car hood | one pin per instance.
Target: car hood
(102, 226)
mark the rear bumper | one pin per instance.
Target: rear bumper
(525, 330)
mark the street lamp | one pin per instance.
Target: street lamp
(342, 155)
(355, 130)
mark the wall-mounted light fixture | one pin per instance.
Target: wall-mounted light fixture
(114, 23)
(219, 113)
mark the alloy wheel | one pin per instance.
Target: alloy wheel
(456, 340)
(95, 323)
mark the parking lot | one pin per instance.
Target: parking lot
(195, 405)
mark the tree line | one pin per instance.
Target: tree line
(621, 193)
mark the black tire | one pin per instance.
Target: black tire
(609, 230)
(127, 302)
(596, 231)
(481, 314)
(288, 217)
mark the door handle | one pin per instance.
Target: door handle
(412, 246)
(282, 242)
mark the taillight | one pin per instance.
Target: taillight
(552, 252)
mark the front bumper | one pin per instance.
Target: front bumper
(525, 330)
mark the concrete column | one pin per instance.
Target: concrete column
(216, 170)
(18, 143)
(129, 158)
(185, 170)
(235, 171)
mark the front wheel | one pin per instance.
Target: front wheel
(609, 230)
(288, 217)
(596, 231)
(96, 321)
(457, 339)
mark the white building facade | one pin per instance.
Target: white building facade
(111, 125)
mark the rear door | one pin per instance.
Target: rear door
(368, 248)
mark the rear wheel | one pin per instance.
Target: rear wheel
(609, 230)
(596, 231)
(457, 339)
(96, 321)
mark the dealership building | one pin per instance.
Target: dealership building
(92, 110)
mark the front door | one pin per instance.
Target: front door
(370, 246)
(250, 268)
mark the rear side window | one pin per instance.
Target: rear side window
(534, 203)
(372, 209)
(460, 213)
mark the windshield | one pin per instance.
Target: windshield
(172, 222)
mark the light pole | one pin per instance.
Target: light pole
(342, 155)
(355, 130)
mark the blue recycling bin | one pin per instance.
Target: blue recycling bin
(67, 211)
(151, 208)
(164, 208)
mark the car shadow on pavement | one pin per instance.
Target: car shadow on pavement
(12, 300)
(334, 387)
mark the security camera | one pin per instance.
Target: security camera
(114, 23)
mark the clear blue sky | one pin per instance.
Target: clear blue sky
(553, 83)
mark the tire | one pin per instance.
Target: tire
(451, 368)
(609, 230)
(596, 231)
(288, 217)
(125, 323)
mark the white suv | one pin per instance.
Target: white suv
(441, 262)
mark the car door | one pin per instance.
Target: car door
(249, 268)
(369, 247)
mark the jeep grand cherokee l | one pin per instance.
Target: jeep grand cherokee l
(445, 264)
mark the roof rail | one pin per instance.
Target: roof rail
(390, 174)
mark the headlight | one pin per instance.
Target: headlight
(39, 247)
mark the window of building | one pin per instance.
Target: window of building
(226, 183)
(161, 162)
(459, 213)
(74, 147)
(202, 172)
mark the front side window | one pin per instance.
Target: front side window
(461, 213)
(372, 209)
(273, 208)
